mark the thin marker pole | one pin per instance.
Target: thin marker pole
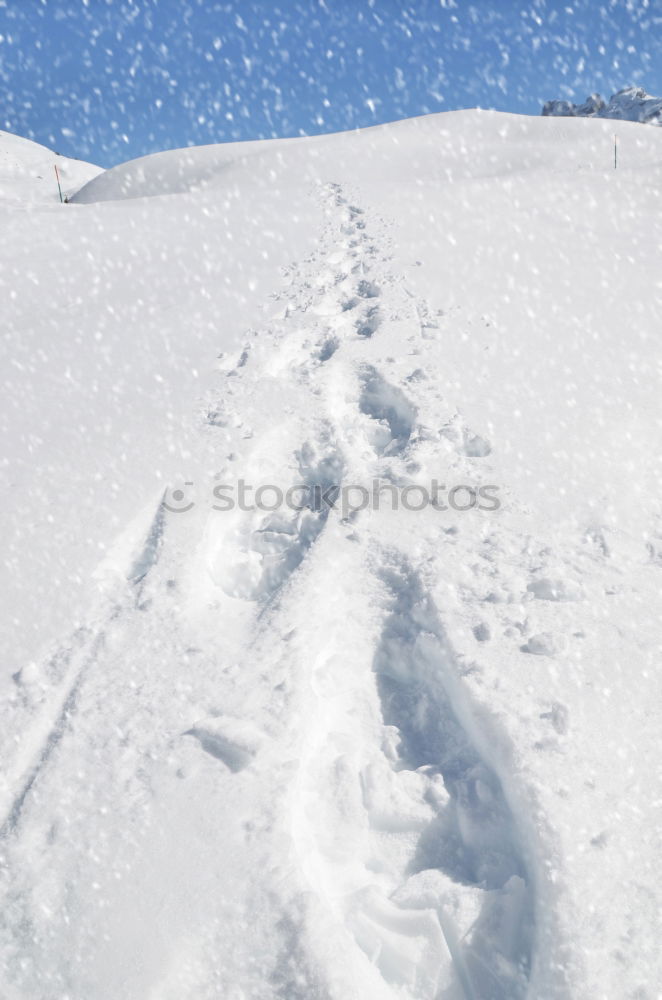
(58, 182)
(615, 149)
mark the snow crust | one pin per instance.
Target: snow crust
(330, 752)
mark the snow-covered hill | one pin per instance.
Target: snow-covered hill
(632, 104)
(328, 749)
(27, 172)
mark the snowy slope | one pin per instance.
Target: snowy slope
(27, 172)
(632, 104)
(333, 752)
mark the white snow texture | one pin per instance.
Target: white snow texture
(325, 752)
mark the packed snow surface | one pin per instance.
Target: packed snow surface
(632, 104)
(326, 748)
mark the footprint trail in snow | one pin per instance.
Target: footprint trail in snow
(279, 686)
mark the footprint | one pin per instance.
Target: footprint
(544, 644)
(328, 349)
(482, 632)
(390, 408)
(368, 323)
(465, 441)
(367, 289)
(230, 363)
(470, 840)
(216, 417)
(268, 549)
(558, 716)
(595, 537)
(555, 589)
(233, 741)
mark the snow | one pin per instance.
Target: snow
(324, 747)
(27, 173)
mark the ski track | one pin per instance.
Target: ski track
(64, 674)
(438, 901)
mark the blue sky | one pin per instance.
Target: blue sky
(109, 80)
